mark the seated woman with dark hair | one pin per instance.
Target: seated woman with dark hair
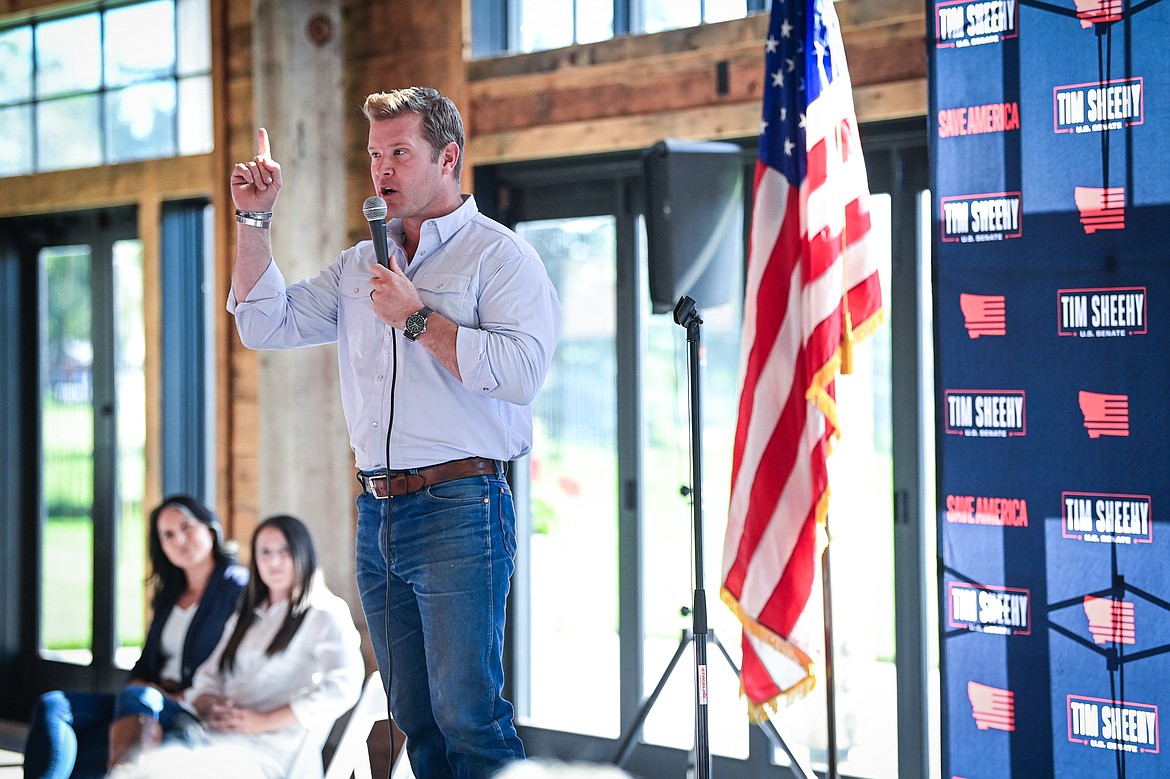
(197, 587)
(288, 665)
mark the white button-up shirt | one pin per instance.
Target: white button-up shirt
(473, 271)
(319, 675)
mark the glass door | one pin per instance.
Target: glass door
(572, 561)
(66, 394)
(90, 433)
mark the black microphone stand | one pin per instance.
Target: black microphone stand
(686, 316)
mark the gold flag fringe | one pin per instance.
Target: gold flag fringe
(758, 712)
(817, 392)
(818, 387)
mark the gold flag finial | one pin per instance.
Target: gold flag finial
(847, 344)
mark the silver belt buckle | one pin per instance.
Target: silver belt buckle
(369, 481)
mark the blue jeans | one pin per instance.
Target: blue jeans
(69, 732)
(440, 628)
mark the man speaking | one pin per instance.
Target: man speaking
(442, 347)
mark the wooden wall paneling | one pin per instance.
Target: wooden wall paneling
(238, 431)
(19, 8)
(724, 122)
(174, 178)
(150, 233)
(617, 133)
(392, 45)
(862, 11)
(886, 51)
(630, 92)
(657, 85)
(221, 56)
(897, 100)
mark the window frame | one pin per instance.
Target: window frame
(495, 24)
(104, 92)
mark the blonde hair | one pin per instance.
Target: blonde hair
(441, 122)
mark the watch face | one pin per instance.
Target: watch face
(416, 324)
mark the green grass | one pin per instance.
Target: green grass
(67, 542)
(67, 583)
(67, 438)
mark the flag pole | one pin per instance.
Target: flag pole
(830, 686)
(826, 577)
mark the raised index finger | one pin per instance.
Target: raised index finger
(262, 150)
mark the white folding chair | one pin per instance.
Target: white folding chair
(306, 763)
(352, 758)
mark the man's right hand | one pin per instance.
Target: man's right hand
(256, 184)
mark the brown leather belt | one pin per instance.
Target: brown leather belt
(383, 485)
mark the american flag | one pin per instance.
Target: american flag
(812, 288)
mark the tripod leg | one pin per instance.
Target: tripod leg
(627, 742)
(769, 728)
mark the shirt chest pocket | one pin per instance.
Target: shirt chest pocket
(450, 293)
(355, 315)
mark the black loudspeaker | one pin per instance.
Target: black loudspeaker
(694, 221)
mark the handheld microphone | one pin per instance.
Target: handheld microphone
(374, 210)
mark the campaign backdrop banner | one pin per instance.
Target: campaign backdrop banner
(1050, 133)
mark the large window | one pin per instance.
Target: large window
(520, 26)
(124, 83)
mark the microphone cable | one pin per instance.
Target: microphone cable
(386, 532)
(374, 211)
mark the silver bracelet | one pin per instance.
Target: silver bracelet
(264, 216)
(250, 222)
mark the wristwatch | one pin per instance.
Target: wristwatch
(416, 323)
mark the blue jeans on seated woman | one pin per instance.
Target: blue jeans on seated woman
(440, 628)
(68, 735)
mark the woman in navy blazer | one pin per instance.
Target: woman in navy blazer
(197, 586)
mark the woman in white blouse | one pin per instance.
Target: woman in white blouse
(288, 665)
